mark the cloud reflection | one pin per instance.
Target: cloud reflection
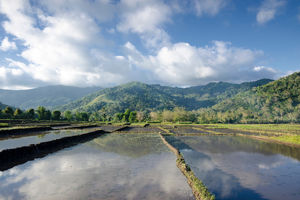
(86, 173)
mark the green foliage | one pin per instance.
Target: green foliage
(30, 114)
(132, 117)
(126, 115)
(43, 113)
(18, 114)
(68, 115)
(81, 116)
(146, 98)
(275, 102)
(8, 113)
(56, 115)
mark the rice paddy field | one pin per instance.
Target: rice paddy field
(157, 161)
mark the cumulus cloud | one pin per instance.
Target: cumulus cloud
(182, 64)
(268, 10)
(66, 43)
(209, 7)
(59, 48)
(7, 45)
(146, 18)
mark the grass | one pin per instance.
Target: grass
(3, 124)
(166, 130)
(289, 128)
(288, 134)
(293, 139)
(200, 191)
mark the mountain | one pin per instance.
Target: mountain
(141, 97)
(49, 96)
(2, 106)
(276, 101)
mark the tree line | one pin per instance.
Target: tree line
(41, 113)
(178, 114)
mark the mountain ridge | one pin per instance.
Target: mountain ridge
(147, 97)
(47, 96)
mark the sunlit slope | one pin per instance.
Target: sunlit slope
(140, 96)
(279, 99)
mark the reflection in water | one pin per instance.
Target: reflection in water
(241, 168)
(88, 171)
(43, 137)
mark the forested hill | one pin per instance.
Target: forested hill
(2, 106)
(143, 97)
(49, 96)
(278, 101)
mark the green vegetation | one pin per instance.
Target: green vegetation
(270, 102)
(146, 98)
(199, 189)
(275, 102)
(261, 128)
(291, 139)
(41, 114)
(282, 133)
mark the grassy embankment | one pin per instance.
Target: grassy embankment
(199, 189)
(282, 133)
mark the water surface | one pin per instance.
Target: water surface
(114, 166)
(241, 168)
(15, 142)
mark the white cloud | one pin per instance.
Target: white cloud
(209, 7)
(268, 10)
(182, 64)
(62, 49)
(146, 19)
(63, 43)
(7, 45)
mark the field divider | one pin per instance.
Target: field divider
(168, 131)
(4, 133)
(13, 157)
(269, 140)
(200, 191)
(211, 131)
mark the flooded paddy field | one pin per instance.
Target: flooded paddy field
(113, 166)
(15, 142)
(134, 163)
(234, 167)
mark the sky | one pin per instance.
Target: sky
(170, 42)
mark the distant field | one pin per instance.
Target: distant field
(284, 133)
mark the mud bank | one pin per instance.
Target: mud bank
(199, 189)
(4, 133)
(12, 157)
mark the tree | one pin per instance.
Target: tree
(140, 116)
(167, 116)
(56, 115)
(18, 114)
(30, 114)
(118, 117)
(81, 116)
(8, 111)
(47, 115)
(126, 115)
(132, 117)
(154, 116)
(41, 112)
(68, 115)
(84, 116)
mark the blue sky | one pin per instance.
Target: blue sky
(171, 42)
